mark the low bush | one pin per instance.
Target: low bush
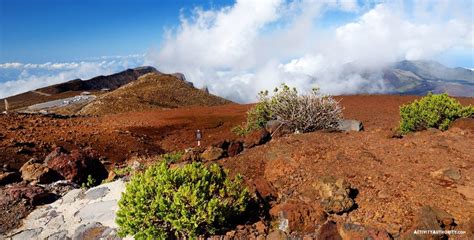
(432, 111)
(182, 202)
(304, 113)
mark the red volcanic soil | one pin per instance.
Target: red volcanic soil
(391, 175)
(118, 137)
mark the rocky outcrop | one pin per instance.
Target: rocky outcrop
(80, 214)
(212, 153)
(78, 165)
(298, 216)
(256, 138)
(235, 148)
(431, 218)
(335, 194)
(34, 171)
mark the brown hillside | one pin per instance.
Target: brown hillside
(152, 91)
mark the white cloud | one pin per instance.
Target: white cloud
(239, 50)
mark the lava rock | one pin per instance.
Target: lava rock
(449, 175)
(235, 148)
(295, 215)
(191, 155)
(256, 138)
(277, 128)
(350, 125)
(335, 194)
(37, 172)
(78, 165)
(35, 195)
(430, 218)
(329, 231)
(212, 153)
(355, 231)
(9, 176)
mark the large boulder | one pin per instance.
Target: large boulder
(33, 194)
(256, 138)
(191, 155)
(235, 148)
(33, 171)
(335, 194)
(77, 166)
(212, 153)
(350, 125)
(298, 216)
(430, 218)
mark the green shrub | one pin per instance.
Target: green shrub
(187, 201)
(257, 116)
(432, 111)
(304, 113)
(171, 157)
(91, 182)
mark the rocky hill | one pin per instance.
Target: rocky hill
(421, 77)
(75, 87)
(154, 90)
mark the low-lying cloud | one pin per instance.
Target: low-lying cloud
(239, 50)
(249, 46)
(21, 77)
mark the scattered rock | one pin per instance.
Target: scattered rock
(261, 227)
(78, 165)
(277, 235)
(277, 128)
(60, 187)
(53, 154)
(7, 177)
(335, 194)
(256, 138)
(467, 192)
(212, 153)
(235, 148)
(350, 125)
(355, 231)
(298, 216)
(35, 195)
(328, 231)
(447, 174)
(37, 172)
(430, 218)
(191, 155)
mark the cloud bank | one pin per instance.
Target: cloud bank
(21, 77)
(249, 46)
(239, 50)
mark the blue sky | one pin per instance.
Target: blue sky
(38, 31)
(233, 47)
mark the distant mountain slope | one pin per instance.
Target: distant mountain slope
(75, 87)
(421, 77)
(153, 90)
